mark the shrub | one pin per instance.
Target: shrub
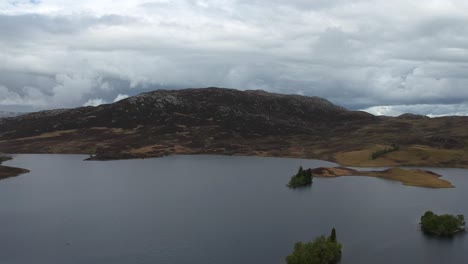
(320, 251)
(382, 152)
(442, 225)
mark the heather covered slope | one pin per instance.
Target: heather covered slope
(233, 122)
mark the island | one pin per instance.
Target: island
(301, 178)
(323, 250)
(409, 177)
(7, 172)
(442, 225)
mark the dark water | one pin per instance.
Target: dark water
(213, 210)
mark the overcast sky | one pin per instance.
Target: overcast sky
(387, 57)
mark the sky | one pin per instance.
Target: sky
(384, 57)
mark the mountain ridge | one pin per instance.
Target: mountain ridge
(234, 122)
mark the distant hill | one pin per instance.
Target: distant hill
(4, 114)
(233, 122)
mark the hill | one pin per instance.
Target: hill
(233, 122)
(4, 114)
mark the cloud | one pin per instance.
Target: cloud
(434, 110)
(120, 97)
(359, 54)
(95, 102)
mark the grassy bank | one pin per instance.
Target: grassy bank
(419, 178)
(414, 155)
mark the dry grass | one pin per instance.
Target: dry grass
(46, 135)
(419, 178)
(147, 149)
(414, 155)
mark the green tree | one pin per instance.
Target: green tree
(442, 225)
(301, 178)
(381, 152)
(300, 172)
(320, 251)
(333, 235)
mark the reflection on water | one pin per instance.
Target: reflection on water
(213, 209)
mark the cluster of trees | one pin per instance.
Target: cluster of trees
(323, 250)
(381, 152)
(442, 225)
(302, 178)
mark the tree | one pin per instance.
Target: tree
(333, 235)
(300, 171)
(302, 178)
(442, 225)
(320, 251)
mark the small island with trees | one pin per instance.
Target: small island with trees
(302, 178)
(442, 225)
(323, 250)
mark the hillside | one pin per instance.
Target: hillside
(233, 122)
(4, 114)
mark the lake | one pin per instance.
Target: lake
(212, 210)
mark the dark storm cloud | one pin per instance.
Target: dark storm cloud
(359, 54)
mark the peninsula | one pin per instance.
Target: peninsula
(7, 172)
(409, 177)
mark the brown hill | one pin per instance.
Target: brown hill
(233, 122)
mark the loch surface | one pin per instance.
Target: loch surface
(213, 210)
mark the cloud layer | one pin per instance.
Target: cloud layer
(360, 54)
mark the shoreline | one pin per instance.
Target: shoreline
(7, 171)
(403, 165)
(131, 157)
(421, 177)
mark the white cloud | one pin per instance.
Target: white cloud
(431, 110)
(30, 96)
(95, 102)
(7, 97)
(358, 54)
(120, 97)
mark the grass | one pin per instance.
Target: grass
(48, 135)
(419, 178)
(413, 177)
(414, 155)
(353, 147)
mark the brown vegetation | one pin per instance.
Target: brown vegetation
(413, 177)
(7, 172)
(232, 122)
